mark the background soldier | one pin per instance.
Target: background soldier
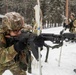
(72, 24)
(35, 26)
(12, 53)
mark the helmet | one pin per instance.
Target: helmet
(12, 21)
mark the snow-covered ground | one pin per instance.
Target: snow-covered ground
(67, 62)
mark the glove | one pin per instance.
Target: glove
(39, 41)
(65, 26)
(20, 45)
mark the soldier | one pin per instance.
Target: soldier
(72, 24)
(12, 54)
(35, 27)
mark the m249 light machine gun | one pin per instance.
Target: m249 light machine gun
(34, 41)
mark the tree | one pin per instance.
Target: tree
(52, 9)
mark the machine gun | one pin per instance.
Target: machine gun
(34, 41)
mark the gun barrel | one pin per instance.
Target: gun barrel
(69, 36)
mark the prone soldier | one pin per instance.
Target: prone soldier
(12, 52)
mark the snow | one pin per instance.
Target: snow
(7, 72)
(67, 61)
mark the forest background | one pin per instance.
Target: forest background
(52, 10)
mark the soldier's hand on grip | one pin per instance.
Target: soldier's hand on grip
(20, 45)
(39, 41)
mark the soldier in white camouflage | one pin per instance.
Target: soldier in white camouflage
(12, 23)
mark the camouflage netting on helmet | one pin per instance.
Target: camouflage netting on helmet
(12, 21)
